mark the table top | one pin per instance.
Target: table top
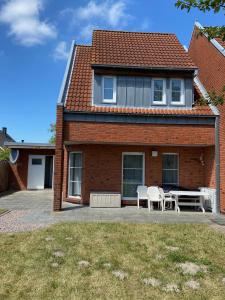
(188, 193)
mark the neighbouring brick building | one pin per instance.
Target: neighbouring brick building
(5, 137)
(209, 56)
(128, 114)
(31, 165)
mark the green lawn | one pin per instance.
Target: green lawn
(45, 264)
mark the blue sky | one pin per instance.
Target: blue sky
(35, 39)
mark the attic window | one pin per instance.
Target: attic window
(159, 91)
(109, 89)
(177, 91)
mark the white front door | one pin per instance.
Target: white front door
(36, 172)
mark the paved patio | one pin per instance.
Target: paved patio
(33, 209)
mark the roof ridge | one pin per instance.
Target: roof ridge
(136, 32)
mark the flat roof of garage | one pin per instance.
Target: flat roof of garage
(14, 145)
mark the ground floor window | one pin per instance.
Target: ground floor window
(133, 174)
(170, 169)
(75, 173)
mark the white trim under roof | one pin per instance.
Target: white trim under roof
(206, 95)
(15, 145)
(67, 75)
(213, 41)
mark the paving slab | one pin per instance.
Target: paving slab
(31, 210)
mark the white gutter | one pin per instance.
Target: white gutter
(205, 95)
(213, 41)
(67, 75)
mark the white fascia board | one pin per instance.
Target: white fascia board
(206, 95)
(213, 41)
(67, 74)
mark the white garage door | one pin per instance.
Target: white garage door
(36, 172)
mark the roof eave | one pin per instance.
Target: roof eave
(206, 95)
(169, 68)
(14, 145)
(67, 75)
(139, 114)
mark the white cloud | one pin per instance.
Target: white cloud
(99, 13)
(86, 31)
(23, 18)
(112, 12)
(61, 51)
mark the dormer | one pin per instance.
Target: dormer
(146, 70)
(132, 72)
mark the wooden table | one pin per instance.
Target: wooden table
(199, 203)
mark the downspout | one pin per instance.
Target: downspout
(217, 159)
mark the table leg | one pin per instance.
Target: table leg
(201, 204)
(177, 208)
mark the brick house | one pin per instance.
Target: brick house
(5, 137)
(128, 115)
(209, 56)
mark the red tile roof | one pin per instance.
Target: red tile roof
(79, 96)
(160, 50)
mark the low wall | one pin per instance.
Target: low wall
(4, 175)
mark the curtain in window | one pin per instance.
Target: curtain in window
(75, 174)
(132, 174)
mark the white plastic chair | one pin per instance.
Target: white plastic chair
(167, 198)
(154, 196)
(141, 194)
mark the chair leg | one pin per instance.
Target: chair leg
(149, 206)
(138, 203)
(162, 205)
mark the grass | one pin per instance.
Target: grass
(141, 251)
(2, 210)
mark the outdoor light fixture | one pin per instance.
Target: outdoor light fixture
(154, 153)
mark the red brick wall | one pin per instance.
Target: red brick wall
(210, 167)
(58, 169)
(19, 171)
(149, 134)
(102, 166)
(211, 65)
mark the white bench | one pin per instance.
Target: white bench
(105, 199)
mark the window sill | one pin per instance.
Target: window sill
(159, 103)
(108, 102)
(177, 104)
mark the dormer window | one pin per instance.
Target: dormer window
(159, 91)
(109, 89)
(177, 91)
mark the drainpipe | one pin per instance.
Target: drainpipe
(217, 158)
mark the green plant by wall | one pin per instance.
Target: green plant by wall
(4, 154)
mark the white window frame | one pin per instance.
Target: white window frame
(143, 172)
(113, 100)
(71, 196)
(182, 93)
(178, 168)
(163, 102)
